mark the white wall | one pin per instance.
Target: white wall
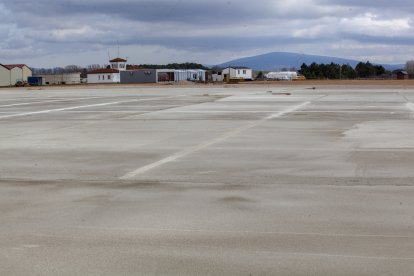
(27, 72)
(217, 77)
(103, 78)
(118, 66)
(246, 74)
(70, 78)
(16, 74)
(4, 76)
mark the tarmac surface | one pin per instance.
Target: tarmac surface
(207, 180)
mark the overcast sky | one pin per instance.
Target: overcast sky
(48, 33)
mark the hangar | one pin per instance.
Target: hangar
(10, 74)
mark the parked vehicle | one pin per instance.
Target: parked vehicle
(20, 83)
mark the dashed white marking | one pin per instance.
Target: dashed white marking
(79, 107)
(201, 146)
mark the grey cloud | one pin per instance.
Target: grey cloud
(379, 40)
(62, 27)
(156, 10)
(383, 7)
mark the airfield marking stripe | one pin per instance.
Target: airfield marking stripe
(390, 236)
(52, 101)
(228, 111)
(201, 146)
(79, 107)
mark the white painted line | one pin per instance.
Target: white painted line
(79, 107)
(226, 111)
(289, 110)
(267, 98)
(201, 146)
(52, 101)
(247, 232)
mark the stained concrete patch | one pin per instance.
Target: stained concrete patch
(388, 134)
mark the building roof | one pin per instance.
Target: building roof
(104, 71)
(402, 72)
(118, 60)
(236, 67)
(11, 66)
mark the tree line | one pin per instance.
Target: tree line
(345, 71)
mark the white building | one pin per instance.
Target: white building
(287, 75)
(108, 75)
(237, 73)
(105, 75)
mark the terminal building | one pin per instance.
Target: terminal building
(108, 75)
(119, 72)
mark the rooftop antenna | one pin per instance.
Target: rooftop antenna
(118, 47)
(109, 56)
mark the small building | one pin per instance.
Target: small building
(402, 75)
(57, 79)
(18, 72)
(237, 73)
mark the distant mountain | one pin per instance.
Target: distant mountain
(279, 60)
